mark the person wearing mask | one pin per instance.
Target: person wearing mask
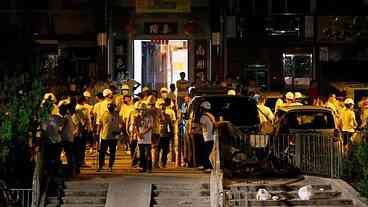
(164, 93)
(266, 116)
(155, 113)
(143, 126)
(119, 98)
(166, 133)
(348, 123)
(208, 124)
(110, 129)
(126, 108)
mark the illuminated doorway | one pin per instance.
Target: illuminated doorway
(158, 63)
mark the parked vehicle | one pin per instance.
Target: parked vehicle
(241, 111)
(305, 119)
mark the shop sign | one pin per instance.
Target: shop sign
(160, 28)
(163, 6)
(201, 56)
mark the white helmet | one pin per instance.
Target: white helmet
(206, 105)
(349, 101)
(289, 95)
(298, 95)
(106, 92)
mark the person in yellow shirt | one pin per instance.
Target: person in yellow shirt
(109, 129)
(182, 86)
(348, 122)
(266, 116)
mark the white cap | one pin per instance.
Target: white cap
(106, 92)
(349, 101)
(289, 95)
(206, 105)
(298, 95)
(87, 94)
(231, 92)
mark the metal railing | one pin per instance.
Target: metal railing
(312, 154)
(16, 197)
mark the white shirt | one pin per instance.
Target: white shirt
(207, 128)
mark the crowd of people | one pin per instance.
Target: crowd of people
(103, 118)
(146, 126)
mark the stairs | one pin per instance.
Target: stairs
(323, 195)
(180, 195)
(82, 194)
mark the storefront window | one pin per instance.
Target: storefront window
(297, 70)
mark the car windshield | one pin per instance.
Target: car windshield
(310, 120)
(241, 111)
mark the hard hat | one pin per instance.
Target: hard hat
(50, 96)
(206, 105)
(349, 101)
(125, 87)
(289, 95)
(106, 92)
(145, 89)
(151, 100)
(298, 95)
(231, 92)
(87, 94)
(162, 90)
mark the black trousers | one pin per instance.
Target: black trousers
(111, 144)
(198, 152)
(163, 148)
(145, 156)
(207, 149)
(52, 157)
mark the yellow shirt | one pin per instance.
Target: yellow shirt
(348, 121)
(109, 125)
(182, 86)
(100, 109)
(125, 110)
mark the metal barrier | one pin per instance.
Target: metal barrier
(16, 197)
(23, 196)
(236, 198)
(312, 154)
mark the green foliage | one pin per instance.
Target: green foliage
(20, 111)
(361, 156)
